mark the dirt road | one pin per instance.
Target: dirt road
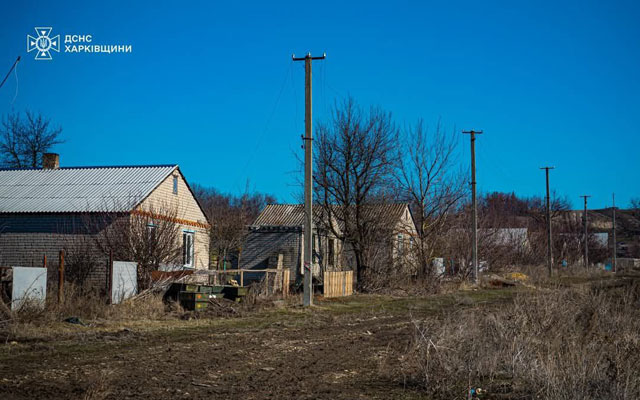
(334, 351)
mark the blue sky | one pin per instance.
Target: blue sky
(211, 85)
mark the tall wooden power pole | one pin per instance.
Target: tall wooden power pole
(474, 205)
(586, 233)
(549, 243)
(614, 256)
(308, 182)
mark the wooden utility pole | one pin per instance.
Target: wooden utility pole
(474, 205)
(614, 256)
(308, 181)
(110, 277)
(60, 277)
(549, 243)
(586, 233)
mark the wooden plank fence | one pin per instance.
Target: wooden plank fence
(338, 283)
(277, 280)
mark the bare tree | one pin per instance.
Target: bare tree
(150, 237)
(354, 162)
(81, 258)
(23, 140)
(559, 205)
(230, 215)
(635, 207)
(429, 178)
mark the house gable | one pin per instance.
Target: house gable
(406, 224)
(162, 199)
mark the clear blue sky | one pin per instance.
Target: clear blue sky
(211, 85)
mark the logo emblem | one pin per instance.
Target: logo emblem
(43, 43)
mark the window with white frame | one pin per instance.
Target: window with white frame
(187, 249)
(151, 232)
(175, 184)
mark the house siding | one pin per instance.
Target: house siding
(188, 210)
(29, 250)
(262, 248)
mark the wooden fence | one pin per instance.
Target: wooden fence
(276, 280)
(338, 283)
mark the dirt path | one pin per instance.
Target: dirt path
(332, 352)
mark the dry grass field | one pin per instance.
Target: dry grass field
(574, 338)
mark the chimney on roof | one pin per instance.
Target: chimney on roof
(50, 161)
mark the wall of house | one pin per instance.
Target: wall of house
(185, 209)
(25, 239)
(404, 239)
(262, 247)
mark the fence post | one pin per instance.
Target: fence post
(241, 277)
(60, 276)
(110, 277)
(285, 283)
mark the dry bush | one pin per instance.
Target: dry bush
(561, 344)
(31, 321)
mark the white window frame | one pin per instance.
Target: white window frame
(151, 230)
(188, 249)
(175, 184)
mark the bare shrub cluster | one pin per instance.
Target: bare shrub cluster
(149, 236)
(32, 321)
(562, 344)
(231, 215)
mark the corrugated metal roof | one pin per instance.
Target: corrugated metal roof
(293, 214)
(83, 189)
(281, 215)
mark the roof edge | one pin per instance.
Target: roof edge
(93, 167)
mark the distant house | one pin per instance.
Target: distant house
(276, 238)
(514, 238)
(395, 231)
(42, 210)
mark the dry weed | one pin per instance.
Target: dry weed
(558, 344)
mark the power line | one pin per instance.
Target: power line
(15, 71)
(268, 123)
(10, 69)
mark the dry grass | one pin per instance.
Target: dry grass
(577, 343)
(32, 322)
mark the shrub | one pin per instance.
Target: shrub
(558, 344)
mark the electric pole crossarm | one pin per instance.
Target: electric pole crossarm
(294, 58)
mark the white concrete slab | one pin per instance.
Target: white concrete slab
(29, 284)
(124, 281)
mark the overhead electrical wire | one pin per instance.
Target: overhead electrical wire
(15, 71)
(268, 123)
(9, 73)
